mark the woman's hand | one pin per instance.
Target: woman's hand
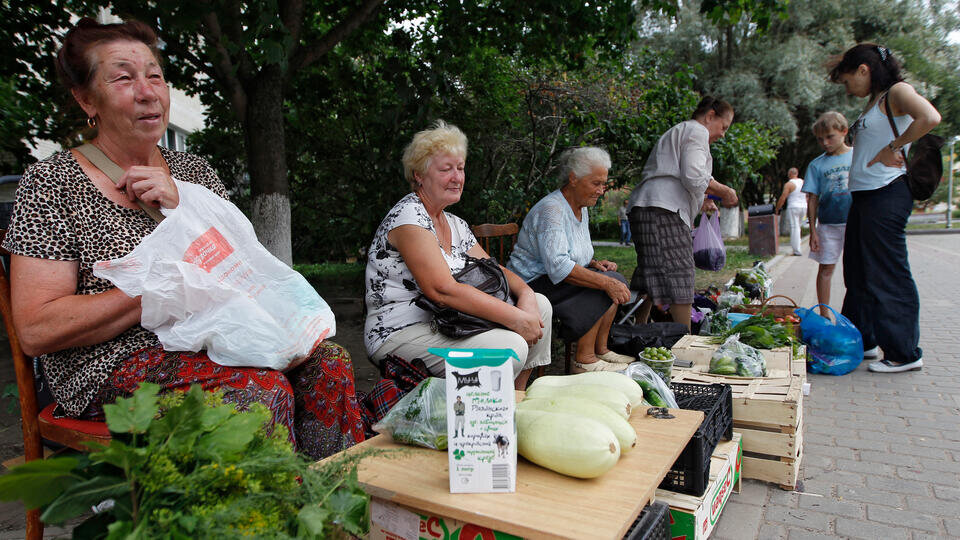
(605, 266)
(617, 291)
(527, 302)
(528, 325)
(729, 197)
(814, 240)
(151, 185)
(888, 157)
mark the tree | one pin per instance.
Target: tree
(249, 54)
(28, 100)
(777, 77)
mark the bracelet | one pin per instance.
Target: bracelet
(894, 148)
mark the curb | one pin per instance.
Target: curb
(933, 231)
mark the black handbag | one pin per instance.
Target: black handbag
(486, 276)
(925, 168)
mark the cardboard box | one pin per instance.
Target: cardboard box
(481, 435)
(390, 521)
(693, 518)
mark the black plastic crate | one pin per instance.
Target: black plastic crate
(652, 524)
(690, 474)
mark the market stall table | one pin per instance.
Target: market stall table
(546, 504)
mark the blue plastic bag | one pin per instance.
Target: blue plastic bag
(836, 348)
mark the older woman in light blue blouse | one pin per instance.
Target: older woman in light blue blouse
(554, 256)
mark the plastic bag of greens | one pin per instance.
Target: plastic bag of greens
(736, 358)
(420, 417)
(656, 391)
(730, 298)
(716, 323)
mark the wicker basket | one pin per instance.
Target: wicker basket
(773, 310)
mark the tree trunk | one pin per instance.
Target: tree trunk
(266, 156)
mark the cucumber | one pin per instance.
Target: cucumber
(571, 445)
(604, 395)
(626, 434)
(652, 394)
(612, 379)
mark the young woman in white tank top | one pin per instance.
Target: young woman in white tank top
(882, 299)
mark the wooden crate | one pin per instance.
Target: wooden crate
(699, 350)
(768, 413)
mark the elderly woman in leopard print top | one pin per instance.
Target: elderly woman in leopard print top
(68, 215)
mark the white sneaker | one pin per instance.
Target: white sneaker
(886, 366)
(872, 354)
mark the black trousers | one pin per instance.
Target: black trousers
(882, 299)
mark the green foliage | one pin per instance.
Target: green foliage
(776, 78)
(738, 157)
(29, 103)
(10, 392)
(186, 465)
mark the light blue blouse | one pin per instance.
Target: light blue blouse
(551, 241)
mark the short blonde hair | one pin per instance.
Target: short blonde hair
(439, 138)
(829, 120)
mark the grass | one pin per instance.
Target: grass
(626, 259)
(926, 226)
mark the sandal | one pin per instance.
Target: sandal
(599, 365)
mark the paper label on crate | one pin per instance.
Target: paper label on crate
(481, 436)
(395, 521)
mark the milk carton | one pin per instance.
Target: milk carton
(481, 435)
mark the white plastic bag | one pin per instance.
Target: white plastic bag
(207, 283)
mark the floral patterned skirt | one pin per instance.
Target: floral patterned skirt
(316, 401)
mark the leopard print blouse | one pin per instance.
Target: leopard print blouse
(59, 214)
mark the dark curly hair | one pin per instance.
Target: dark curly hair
(884, 67)
(74, 63)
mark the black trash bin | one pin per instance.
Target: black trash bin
(763, 230)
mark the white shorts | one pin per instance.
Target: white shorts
(831, 243)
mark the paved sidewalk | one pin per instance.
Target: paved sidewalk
(881, 452)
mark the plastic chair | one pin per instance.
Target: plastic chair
(40, 425)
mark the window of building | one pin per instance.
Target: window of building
(174, 139)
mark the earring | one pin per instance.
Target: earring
(92, 121)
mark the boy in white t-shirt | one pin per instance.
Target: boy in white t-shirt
(828, 199)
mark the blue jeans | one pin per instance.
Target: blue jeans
(625, 232)
(882, 299)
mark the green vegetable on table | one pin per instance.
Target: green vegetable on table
(760, 331)
(651, 395)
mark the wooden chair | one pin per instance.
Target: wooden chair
(40, 425)
(492, 234)
(498, 236)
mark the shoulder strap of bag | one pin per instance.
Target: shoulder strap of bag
(113, 171)
(893, 125)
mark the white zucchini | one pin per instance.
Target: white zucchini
(611, 397)
(626, 434)
(604, 378)
(568, 444)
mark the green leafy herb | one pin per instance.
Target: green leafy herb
(186, 465)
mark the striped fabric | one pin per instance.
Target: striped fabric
(664, 247)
